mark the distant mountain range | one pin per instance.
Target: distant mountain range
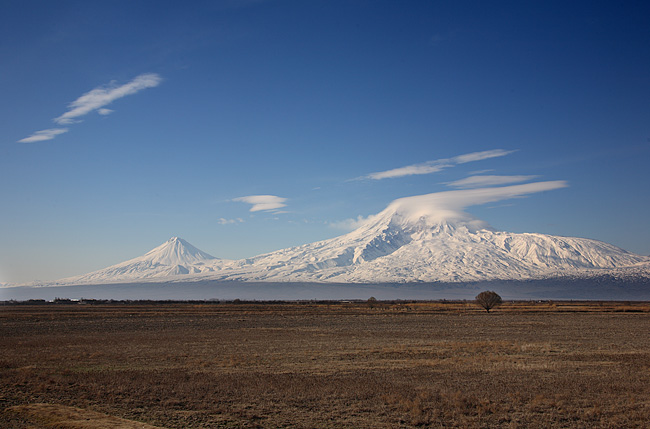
(412, 241)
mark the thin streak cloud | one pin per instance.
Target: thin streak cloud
(480, 181)
(480, 156)
(460, 199)
(43, 135)
(409, 170)
(435, 166)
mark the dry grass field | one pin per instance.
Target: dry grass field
(325, 365)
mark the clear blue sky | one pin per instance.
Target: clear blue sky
(127, 122)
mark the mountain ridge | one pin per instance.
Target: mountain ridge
(415, 239)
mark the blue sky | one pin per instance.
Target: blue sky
(128, 122)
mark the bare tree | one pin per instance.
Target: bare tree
(488, 300)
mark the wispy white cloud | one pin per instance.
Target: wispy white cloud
(450, 204)
(104, 95)
(95, 99)
(263, 202)
(477, 172)
(480, 156)
(481, 181)
(43, 135)
(224, 221)
(437, 165)
(410, 170)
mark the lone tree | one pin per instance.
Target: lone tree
(372, 301)
(488, 300)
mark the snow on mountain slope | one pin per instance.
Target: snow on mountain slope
(416, 239)
(426, 238)
(174, 257)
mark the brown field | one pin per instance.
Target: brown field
(325, 365)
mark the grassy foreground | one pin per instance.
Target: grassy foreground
(325, 365)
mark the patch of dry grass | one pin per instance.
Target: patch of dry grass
(331, 365)
(60, 416)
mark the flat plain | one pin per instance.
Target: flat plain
(325, 364)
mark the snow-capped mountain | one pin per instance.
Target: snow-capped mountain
(174, 257)
(415, 239)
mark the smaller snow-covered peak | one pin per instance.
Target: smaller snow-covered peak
(176, 251)
(172, 258)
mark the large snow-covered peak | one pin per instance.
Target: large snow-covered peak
(447, 208)
(431, 238)
(423, 212)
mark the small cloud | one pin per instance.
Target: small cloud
(104, 111)
(263, 202)
(409, 170)
(350, 224)
(435, 166)
(99, 97)
(480, 156)
(43, 135)
(224, 221)
(481, 181)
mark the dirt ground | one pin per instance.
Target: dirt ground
(307, 364)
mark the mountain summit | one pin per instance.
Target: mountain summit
(174, 257)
